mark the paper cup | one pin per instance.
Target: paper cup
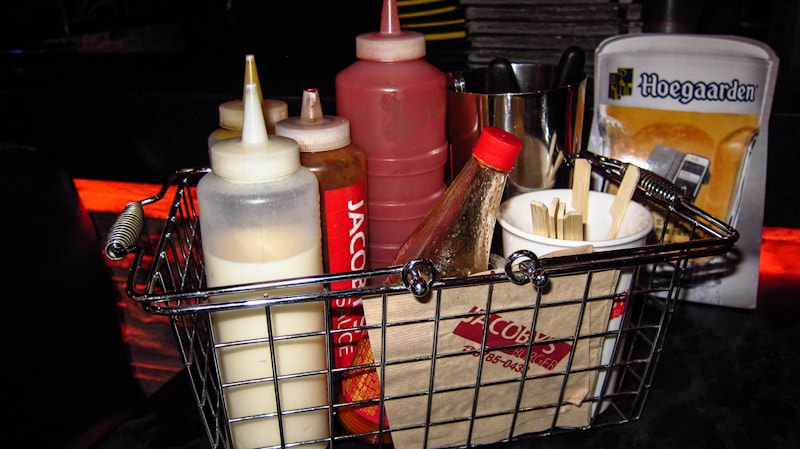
(517, 234)
(517, 226)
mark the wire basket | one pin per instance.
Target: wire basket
(530, 399)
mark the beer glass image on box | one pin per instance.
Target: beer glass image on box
(694, 109)
(682, 117)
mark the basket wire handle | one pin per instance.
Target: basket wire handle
(128, 226)
(125, 231)
(652, 183)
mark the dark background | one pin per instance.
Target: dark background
(128, 90)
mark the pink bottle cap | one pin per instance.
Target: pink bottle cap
(392, 43)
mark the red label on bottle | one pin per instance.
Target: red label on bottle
(346, 228)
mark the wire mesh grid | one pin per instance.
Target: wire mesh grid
(536, 389)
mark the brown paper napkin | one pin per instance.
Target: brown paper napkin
(460, 383)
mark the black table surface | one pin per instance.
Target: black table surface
(728, 378)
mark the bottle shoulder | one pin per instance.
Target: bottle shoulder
(378, 72)
(336, 168)
(300, 180)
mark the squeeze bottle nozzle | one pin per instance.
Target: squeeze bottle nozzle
(254, 130)
(231, 113)
(391, 43)
(311, 109)
(390, 21)
(312, 130)
(251, 77)
(255, 156)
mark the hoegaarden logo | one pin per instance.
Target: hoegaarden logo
(651, 85)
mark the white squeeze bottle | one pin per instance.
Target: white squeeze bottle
(260, 220)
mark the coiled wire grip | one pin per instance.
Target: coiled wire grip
(125, 231)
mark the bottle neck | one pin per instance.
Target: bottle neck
(476, 168)
(457, 233)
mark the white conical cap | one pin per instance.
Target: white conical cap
(251, 76)
(255, 156)
(391, 44)
(231, 113)
(312, 130)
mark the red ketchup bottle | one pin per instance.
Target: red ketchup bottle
(396, 104)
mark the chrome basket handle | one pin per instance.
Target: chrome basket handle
(128, 226)
(655, 185)
(125, 231)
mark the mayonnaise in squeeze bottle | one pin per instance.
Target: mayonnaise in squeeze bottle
(259, 216)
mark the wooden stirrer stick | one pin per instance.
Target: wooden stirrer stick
(573, 226)
(539, 217)
(624, 194)
(581, 176)
(551, 218)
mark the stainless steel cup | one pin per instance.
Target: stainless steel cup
(537, 114)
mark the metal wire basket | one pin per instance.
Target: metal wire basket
(170, 281)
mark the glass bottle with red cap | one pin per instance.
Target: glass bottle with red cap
(456, 236)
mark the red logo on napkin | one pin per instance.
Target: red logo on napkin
(512, 339)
